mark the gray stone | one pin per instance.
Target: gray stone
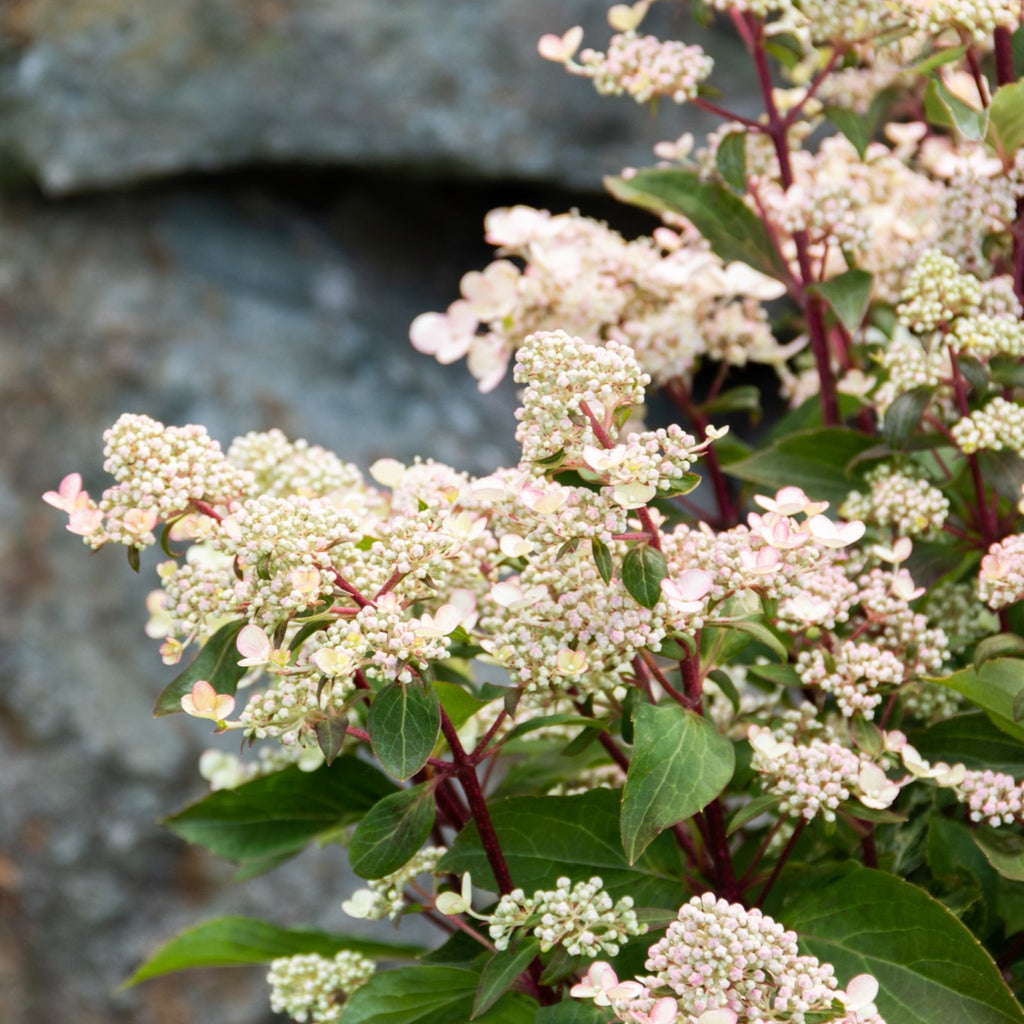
(236, 309)
(96, 93)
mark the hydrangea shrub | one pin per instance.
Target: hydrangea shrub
(752, 754)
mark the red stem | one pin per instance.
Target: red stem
(777, 870)
(466, 772)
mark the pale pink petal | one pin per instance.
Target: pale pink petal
(861, 992)
(254, 645)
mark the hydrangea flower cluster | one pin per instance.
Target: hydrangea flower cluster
(313, 988)
(670, 299)
(582, 918)
(720, 963)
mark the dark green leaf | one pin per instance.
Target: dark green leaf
(957, 863)
(500, 972)
(545, 721)
(681, 485)
(573, 1011)
(1006, 121)
(815, 460)
(280, 813)
(904, 415)
(866, 735)
(430, 995)
(677, 647)
(746, 398)
(731, 160)
(724, 682)
(643, 569)
(392, 832)
(330, 735)
(1003, 849)
(680, 763)
(404, 723)
(974, 740)
(1004, 470)
(544, 838)
(762, 804)
(929, 966)
(849, 295)
(733, 231)
(993, 687)
(602, 558)
(217, 663)
(231, 941)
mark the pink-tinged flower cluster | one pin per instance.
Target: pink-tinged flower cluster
(668, 298)
(815, 776)
(720, 963)
(1001, 579)
(645, 68)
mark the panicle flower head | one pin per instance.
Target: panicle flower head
(582, 918)
(313, 988)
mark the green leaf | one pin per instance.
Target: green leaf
(1006, 121)
(904, 414)
(233, 941)
(946, 55)
(680, 764)
(745, 398)
(572, 1011)
(945, 109)
(1002, 645)
(733, 231)
(430, 995)
(1004, 470)
(929, 966)
(602, 558)
(974, 740)
(280, 813)
(217, 663)
(545, 721)
(544, 838)
(643, 569)
(956, 863)
(994, 687)
(759, 805)
(849, 295)
(731, 160)
(859, 129)
(1003, 849)
(404, 723)
(330, 735)
(815, 460)
(759, 631)
(500, 972)
(459, 704)
(392, 832)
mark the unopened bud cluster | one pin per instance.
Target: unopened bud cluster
(313, 988)
(582, 918)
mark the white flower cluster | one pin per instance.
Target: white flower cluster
(909, 503)
(817, 776)
(566, 383)
(858, 675)
(936, 292)
(290, 707)
(720, 963)
(282, 467)
(312, 988)
(645, 67)
(999, 425)
(582, 918)
(385, 897)
(977, 18)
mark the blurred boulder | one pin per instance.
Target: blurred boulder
(97, 93)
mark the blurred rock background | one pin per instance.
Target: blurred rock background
(228, 212)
